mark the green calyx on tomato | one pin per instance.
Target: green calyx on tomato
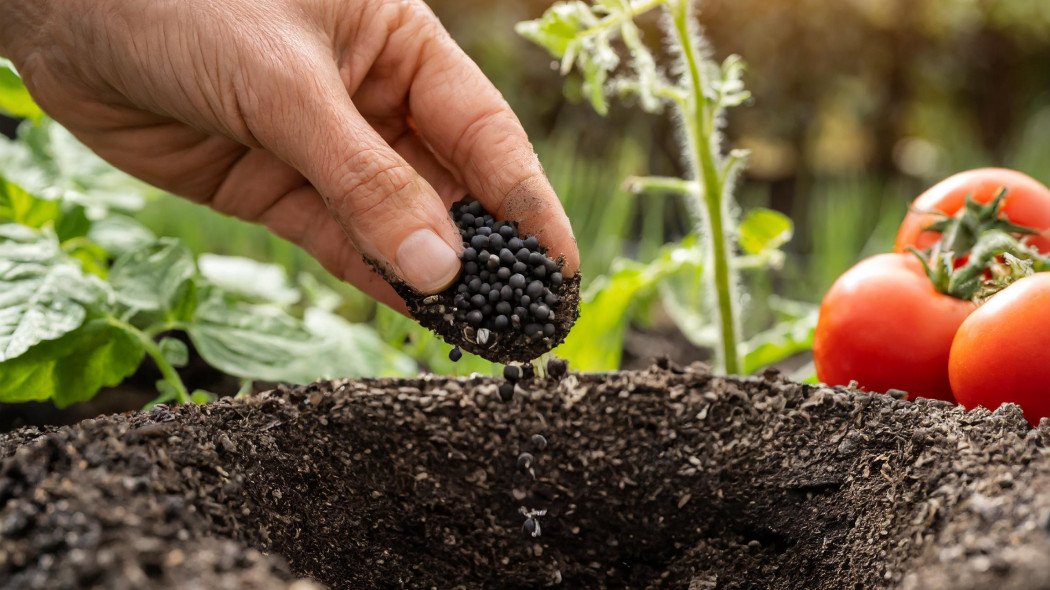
(1026, 203)
(980, 251)
(962, 231)
(997, 260)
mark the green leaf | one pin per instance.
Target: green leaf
(782, 341)
(120, 235)
(175, 351)
(252, 341)
(249, 279)
(764, 230)
(92, 258)
(49, 162)
(265, 342)
(318, 294)
(351, 350)
(556, 29)
(167, 392)
(596, 341)
(684, 300)
(594, 76)
(154, 277)
(580, 34)
(200, 396)
(14, 98)
(43, 294)
(730, 84)
(18, 206)
(72, 223)
(72, 368)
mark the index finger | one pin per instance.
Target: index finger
(469, 125)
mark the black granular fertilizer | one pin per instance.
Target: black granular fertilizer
(557, 368)
(511, 303)
(511, 373)
(506, 391)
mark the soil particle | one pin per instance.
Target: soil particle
(666, 478)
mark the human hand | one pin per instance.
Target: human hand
(345, 126)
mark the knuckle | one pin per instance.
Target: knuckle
(367, 180)
(470, 140)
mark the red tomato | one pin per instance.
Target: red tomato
(1027, 203)
(883, 325)
(1002, 351)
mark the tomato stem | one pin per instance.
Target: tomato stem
(700, 116)
(996, 260)
(980, 251)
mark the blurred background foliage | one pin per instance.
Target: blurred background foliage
(859, 105)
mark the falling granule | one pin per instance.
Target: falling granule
(532, 523)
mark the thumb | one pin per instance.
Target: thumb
(392, 215)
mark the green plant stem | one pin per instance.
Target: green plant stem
(659, 184)
(614, 20)
(700, 126)
(153, 350)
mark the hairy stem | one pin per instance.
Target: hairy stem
(611, 21)
(700, 128)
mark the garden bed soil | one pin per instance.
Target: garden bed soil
(665, 478)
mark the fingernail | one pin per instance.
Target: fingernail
(427, 262)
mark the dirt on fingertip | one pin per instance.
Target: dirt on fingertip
(663, 478)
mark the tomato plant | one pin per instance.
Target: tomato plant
(703, 299)
(1026, 203)
(1001, 352)
(884, 325)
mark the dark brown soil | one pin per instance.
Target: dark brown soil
(654, 479)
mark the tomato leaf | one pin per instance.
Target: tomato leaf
(120, 235)
(73, 367)
(249, 279)
(556, 30)
(764, 230)
(14, 98)
(251, 341)
(153, 277)
(48, 161)
(317, 293)
(175, 351)
(43, 294)
(790, 336)
(200, 396)
(18, 206)
(351, 350)
(596, 341)
(265, 342)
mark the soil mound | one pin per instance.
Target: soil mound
(667, 478)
